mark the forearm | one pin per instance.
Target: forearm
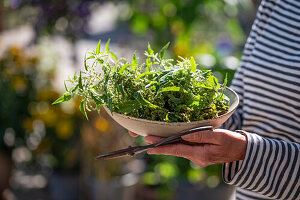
(270, 167)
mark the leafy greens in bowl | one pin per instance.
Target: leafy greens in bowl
(157, 89)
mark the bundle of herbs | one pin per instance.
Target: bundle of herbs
(158, 89)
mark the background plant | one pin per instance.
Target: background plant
(28, 122)
(213, 32)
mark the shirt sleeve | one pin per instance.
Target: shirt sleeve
(235, 121)
(271, 167)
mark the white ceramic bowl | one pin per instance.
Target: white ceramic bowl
(164, 129)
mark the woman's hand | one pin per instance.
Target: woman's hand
(209, 147)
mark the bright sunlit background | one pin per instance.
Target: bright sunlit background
(47, 152)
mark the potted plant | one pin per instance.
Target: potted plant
(159, 90)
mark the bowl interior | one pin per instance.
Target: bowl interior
(164, 129)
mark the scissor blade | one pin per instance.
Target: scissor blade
(175, 137)
(115, 154)
(130, 151)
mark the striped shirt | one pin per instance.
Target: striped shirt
(268, 84)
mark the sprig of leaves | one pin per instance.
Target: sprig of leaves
(157, 89)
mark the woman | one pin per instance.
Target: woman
(263, 159)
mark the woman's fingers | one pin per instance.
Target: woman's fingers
(150, 139)
(132, 134)
(208, 136)
(214, 146)
(177, 149)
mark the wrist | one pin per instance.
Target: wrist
(243, 142)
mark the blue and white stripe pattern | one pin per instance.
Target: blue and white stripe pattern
(268, 84)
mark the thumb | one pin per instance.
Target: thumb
(207, 136)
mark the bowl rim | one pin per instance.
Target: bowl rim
(236, 103)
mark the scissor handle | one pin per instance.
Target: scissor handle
(173, 137)
(130, 151)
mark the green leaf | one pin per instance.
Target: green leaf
(174, 99)
(150, 84)
(138, 96)
(90, 57)
(85, 59)
(67, 89)
(104, 86)
(107, 45)
(66, 97)
(109, 104)
(150, 51)
(148, 63)
(101, 61)
(82, 109)
(121, 90)
(113, 55)
(148, 68)
(212, 81)
(80, 81)
(123, 68)
(167, 117)
(98, 48)
(134, 62)
(86, 105)
(181, 106)
(225, 80)
(74, 89)
(85, 65)
(144, 74)
(128, 106)
(204, 86)
(172, 89)
(97, 98)
(162, 51)
(193, 64)
(223, 88)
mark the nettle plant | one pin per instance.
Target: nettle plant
(157, 89)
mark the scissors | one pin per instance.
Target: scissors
(131, 151)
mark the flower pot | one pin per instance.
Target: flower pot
(164, 129)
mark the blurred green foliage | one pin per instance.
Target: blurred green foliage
(213, 31)
(15, 85)
(28, 121)
(210, 30)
